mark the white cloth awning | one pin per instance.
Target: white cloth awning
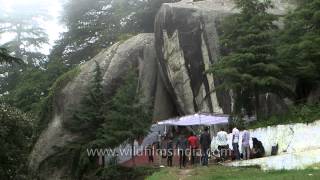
(197, 119)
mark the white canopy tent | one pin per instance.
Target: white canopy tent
(197, 119)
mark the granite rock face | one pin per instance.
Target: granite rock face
(172, 66)
(137, 52)
(187, 44)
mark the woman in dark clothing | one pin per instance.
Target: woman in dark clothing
(150, 153)
(169, 152)
(258, 149)
(182, 145)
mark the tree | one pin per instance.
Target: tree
(146, 14)
(97, 24)
(299, 46)
(27, 39)
(128, 118)
(93, 25)
(248, 65)
(16, 131)
(5, 57)
(90, 115)
(107, 123)
(33, 86)
(29, 36)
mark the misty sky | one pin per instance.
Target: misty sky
(52, 25)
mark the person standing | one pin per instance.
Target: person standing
(150, 153)
(169, 152)
(182, 145)
(246, 144)
(205, 141)
(193, 144)
(235, 142)
(222, 142)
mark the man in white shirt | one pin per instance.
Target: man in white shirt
(235, 142)
(222, 142)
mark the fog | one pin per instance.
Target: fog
(51, 8)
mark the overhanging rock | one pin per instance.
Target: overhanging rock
(187, 44)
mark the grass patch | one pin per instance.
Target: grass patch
(306, 113)
(229, 173)
(123, 37)
(124, 173)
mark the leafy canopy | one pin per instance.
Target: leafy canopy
(16, 133)
(299, 45)
(248, 66)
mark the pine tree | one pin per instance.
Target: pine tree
(93, 25)
(28, 37)
(248, 66)
(299, 46)
(127, 118)
(5, 57)
(90, 115)
(28, 34)
(96, 24)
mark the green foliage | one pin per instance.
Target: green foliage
(106, 124)
(96, 24)
(16, 132)
(47, 103)
(118, 172)
(299, 46)
(304, 113)
(90, 115)
(86, 119)
(123, 37)
(232, 173)
(127, 117)
(33, 85)
(27, 32)
(28, 37)
(237, 121)
(6, 58)
(93, 25)
(146, 14)
(248, 66)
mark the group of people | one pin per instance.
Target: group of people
(193, 146)
(189, 147)
(223, 145)
(257, 150)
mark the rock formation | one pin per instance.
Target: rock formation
(187, 44)
(171, 64)
(114, 62)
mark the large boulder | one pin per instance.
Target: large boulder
(187, 44)
(137, 52)
(172, 66)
